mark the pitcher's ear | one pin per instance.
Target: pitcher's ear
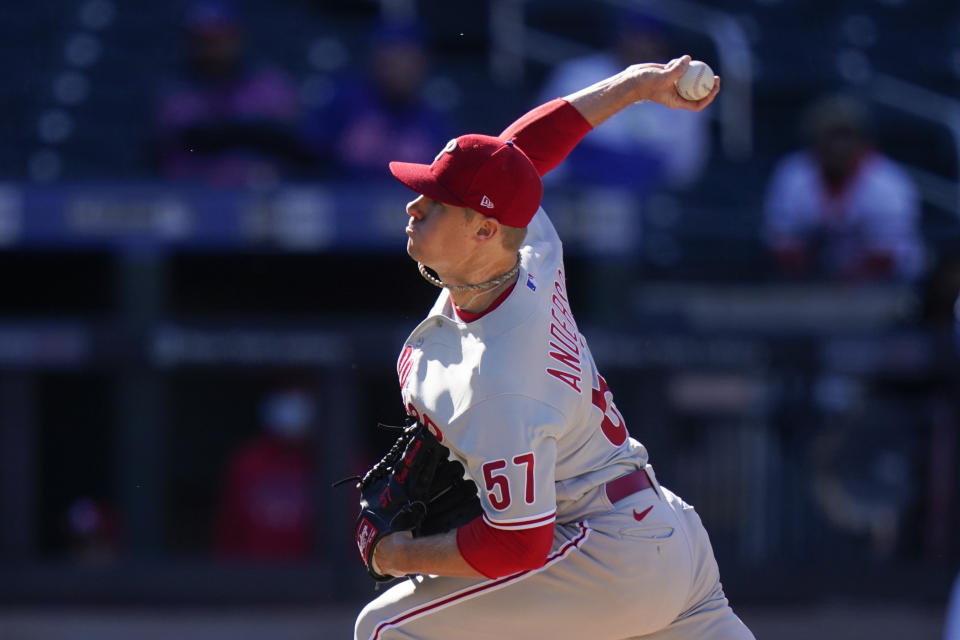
(488, 228)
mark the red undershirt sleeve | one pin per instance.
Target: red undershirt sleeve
(548, 133)
(499, 552)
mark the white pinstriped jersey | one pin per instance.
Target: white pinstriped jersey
(516, 396)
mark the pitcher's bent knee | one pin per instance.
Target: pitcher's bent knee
(367, 622)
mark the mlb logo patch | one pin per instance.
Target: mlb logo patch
(531, 282)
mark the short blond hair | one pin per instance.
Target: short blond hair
(512, 237)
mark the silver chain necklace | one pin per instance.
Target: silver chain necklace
(480, 286)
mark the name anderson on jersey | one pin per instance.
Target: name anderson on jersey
(564, 340)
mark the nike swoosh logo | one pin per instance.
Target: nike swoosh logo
(643, 514)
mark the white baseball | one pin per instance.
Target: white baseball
(696, 82)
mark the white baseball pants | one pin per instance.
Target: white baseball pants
(609, 577)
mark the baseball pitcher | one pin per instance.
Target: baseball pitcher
(560, 528)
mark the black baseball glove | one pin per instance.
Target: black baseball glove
(453, 500)
(414, 487)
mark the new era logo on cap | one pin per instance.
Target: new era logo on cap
(486, 203)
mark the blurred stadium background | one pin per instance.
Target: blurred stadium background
(157, 329)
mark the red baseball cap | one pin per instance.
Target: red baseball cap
(485, 173)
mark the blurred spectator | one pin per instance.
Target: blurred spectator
(266, 506)
(92, 530)
(841, 209)
(226, 122)
(383, 116)
(646, 147)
